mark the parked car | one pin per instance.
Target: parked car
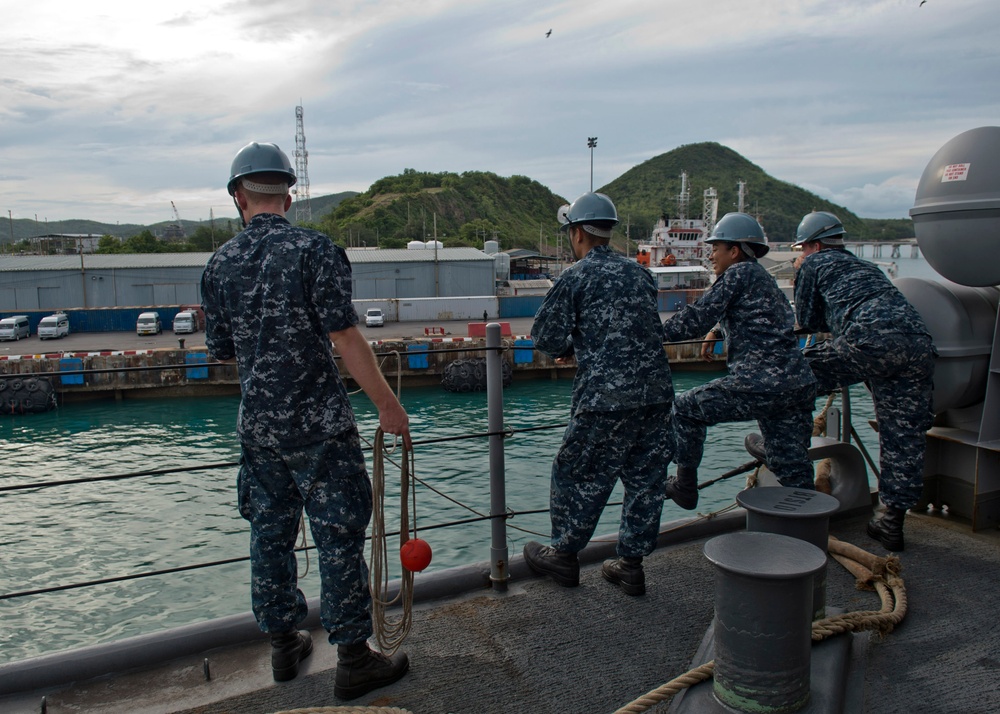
(14, 328)
(53, 327)
(185, 323)
(374, 317)
(148, 324)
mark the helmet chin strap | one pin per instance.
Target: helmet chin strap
(239, 211)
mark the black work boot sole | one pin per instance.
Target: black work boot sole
(285, 665)
(631, 582)
(396, 667)
(562, 568)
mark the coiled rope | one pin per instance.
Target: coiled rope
(390, 632)
(870, 572)
(346, 710)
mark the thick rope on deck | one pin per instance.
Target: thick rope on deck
(870, 571)
(346, 710)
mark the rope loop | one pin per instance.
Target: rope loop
(390, 632)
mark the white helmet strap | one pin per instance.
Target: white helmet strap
(275, 188)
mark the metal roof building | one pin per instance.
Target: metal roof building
(61, 282)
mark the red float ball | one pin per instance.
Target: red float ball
(415, 555)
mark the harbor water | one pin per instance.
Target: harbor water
(108, 529)
(60, 536)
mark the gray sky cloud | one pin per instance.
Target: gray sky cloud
(111, 116)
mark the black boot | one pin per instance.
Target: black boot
(287, 650)
(888, 530)
(564, 568)
(683, 488)
(626, 573)
(360, 669)
(754, 444)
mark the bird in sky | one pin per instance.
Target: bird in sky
(550, 31)
(921, 3)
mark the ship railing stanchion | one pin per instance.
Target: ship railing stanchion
(499, 556)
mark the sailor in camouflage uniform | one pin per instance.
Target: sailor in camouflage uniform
(768, 378)
(275, 296)
(603, 311)
(878, 338)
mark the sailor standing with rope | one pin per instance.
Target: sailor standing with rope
(603, 311)
(277, 300)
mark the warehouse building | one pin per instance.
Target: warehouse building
(71, 282)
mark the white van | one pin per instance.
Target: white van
(374, 317)
(53, 327)
(14, 328)
(148, 324)
(185, 322)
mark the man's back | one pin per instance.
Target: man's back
(272, 296)
(605, 306)
(837, 292)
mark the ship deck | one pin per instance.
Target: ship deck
(540, 648)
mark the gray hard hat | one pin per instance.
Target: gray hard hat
(821, 226)
(258, 158)
(587, 209)
(740, 228)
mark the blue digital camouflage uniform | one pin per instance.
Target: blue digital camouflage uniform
(271, 297)
(768, 378)
(602, 309)
(878, 338)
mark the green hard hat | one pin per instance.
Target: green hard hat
(258, 158)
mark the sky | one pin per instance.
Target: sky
(111, 110)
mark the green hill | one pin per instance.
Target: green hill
(468, 208)
(642, 194)
(460, 209)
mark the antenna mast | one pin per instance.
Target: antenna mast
(303, 211)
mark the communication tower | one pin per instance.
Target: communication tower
(303, 211)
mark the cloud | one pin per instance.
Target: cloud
(111, 114)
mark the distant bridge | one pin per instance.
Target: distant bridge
(870, 248)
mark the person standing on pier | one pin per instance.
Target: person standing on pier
(768, 377)
(277, 301)
(603, 311)
(878, 338)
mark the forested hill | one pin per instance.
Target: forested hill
(519, 212)
(460, 209)
(645, 192)
(474, 205)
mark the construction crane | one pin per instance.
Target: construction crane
(177, 217)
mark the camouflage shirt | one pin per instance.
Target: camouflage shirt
(603, 310)
(840, 293)
(271, 297)
(762, 351)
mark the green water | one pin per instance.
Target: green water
(90, 531)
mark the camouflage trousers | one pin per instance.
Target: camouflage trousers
(599, 449)
(784, 418)
(899, 371)
(328, 479)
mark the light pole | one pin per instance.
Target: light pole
(591, 142)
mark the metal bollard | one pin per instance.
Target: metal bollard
(499, 554)
(797, 513)
(762, 625)
(180, 343)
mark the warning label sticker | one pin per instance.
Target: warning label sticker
(955, 172)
